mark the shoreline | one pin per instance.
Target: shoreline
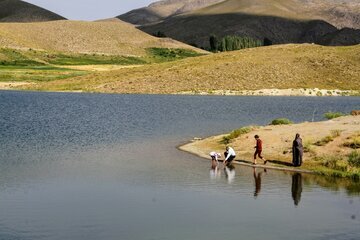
(303, 92)
(185, 148)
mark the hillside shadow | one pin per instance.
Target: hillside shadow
(278, 162)
(196, 29)
(141, 16)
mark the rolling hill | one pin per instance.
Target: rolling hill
(110, 38)
(20, 11)
(281, 21)
(162, 9)
(280, 66)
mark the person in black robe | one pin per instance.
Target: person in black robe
(297, 150)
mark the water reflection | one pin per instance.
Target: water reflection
(230, 173)
(296, 188)
(257, 178)
(215, 173)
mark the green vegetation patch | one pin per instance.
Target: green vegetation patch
(12, 57)
(91, 59)
(281, 121)
(325, 140)
(332, 115)
(170, 54)
(237, 133)
(36, 73)
(337, 166)
(354, 159)
(232, 43)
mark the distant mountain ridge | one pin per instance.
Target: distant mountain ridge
(340, 13)
(160, 10)
(281, 21)
(20, 11)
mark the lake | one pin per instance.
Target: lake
(99, 166)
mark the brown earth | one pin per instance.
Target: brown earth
(110, 37)
(277, 140)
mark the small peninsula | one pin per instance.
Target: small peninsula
(331, 147)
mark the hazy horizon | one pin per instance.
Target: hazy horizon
(90, 9)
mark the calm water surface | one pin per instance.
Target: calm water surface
(94, 166)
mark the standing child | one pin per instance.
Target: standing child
(258, 150)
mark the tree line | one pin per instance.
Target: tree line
(232, 43)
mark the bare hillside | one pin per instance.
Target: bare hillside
(340, 13)
(275, 67)
(113, 38)
(20, 11)
(281, 21)
(162, 9)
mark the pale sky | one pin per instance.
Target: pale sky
(90, 9)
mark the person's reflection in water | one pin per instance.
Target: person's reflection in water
(214, 172)
(296, 188)
(230, 173)
(257, 178)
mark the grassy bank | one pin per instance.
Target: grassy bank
(276, 67)
(42, 66)
(331, 148)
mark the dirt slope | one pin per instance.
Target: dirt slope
(20, 11)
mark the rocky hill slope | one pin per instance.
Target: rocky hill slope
(20, 11)
(281, 21)
(162, 9)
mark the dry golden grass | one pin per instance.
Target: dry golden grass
(110, 37)
(281, 66)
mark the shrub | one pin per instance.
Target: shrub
(330, 162)
(336, 133)
(236, 133)
(281, 121)
(308, 148)
(324, 141)
(214, 43)
(332, 115)
(354, 142)
(334, 162)
(354, 159)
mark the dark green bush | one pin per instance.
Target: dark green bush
(236, 133)
(332, 115)
(354, 159)
(281, 121)
(232, 43)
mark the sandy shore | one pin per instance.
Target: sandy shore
(277, 141)
(308, 92)
(262, 92)
(12, 85)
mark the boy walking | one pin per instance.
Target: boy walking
(258, 150)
